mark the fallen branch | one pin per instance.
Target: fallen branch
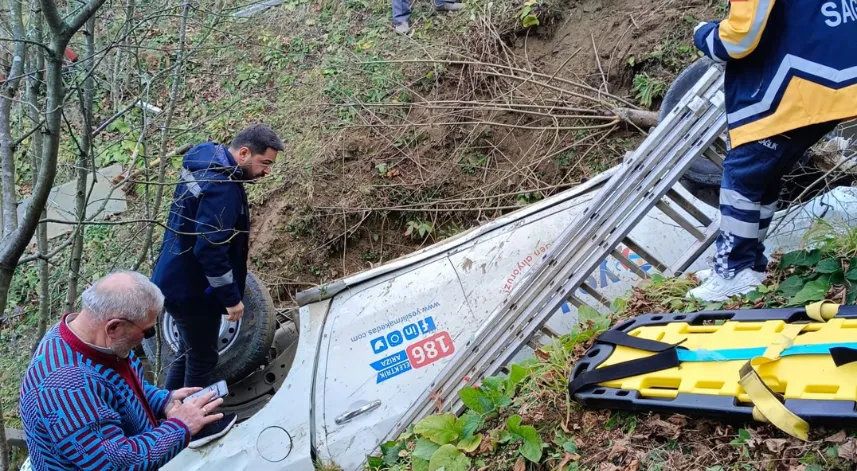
(489, 123)
(124, 178)
(641, 118)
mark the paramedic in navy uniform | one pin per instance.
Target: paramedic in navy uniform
(791, 77)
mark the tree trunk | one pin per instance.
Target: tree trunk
(33, 111)
(8, 201)
(83, 161)
(121, 60)
(15, 241)
(165, 135)
(5, 281)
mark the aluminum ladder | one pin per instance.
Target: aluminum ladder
(645, 180)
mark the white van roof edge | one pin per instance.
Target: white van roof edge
(328, 290)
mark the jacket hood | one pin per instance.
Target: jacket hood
(214, 157)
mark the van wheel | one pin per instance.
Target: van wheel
(244, 346)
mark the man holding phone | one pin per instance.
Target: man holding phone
(84, 402)
(202, 266)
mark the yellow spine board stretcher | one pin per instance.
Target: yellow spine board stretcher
(769, 365)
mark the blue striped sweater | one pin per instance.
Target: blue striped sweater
(84, 409)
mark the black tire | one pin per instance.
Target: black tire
(702, 172)
(252, 345)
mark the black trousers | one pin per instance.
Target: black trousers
(198, 322)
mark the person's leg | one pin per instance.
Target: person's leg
(401, 11)
(795, 144)
(746, 173)
(198, 323)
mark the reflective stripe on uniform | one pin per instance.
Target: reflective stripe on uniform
(222, 280)
(791, 63)
(190, 181)
(737, 200)
(747, 230)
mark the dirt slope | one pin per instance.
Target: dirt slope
(400, 178)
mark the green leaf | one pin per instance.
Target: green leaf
(851, 275)
(792, 285)
(476, 400)
(419, 464)
(754, 296)
(763, 289)
(813, 291)
(468, 424)
(517, 373)
(837, 278)
(391, 450)
(570, 447)
(800, 258)
(375, 463)
(829, 265)
(530, 20)
(744, 434)
(619, 305)
(450, 459)
(440, 429)
(532, 446)
(851, 293)
(469, 445)
(585, 313)
(425, 449)
(494, 383)
(513, 423)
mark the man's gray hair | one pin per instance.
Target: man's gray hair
(125, 294)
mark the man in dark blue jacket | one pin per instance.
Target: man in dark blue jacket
(203, 263)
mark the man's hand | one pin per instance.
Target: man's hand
(177, 398)
(196, 413)
(235, 312)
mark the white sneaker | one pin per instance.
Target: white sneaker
(403, 28)
(703, 275)
(716, 288)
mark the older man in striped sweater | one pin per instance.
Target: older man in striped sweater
(84, 402)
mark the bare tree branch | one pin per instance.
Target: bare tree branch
(34, 85)
(52, 16)
(83, 157)
(7, 95)
(162, 149)
(88, 12)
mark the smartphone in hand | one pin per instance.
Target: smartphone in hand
(219, 389)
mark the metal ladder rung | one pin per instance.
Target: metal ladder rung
(628, 263)
(689, 207)
(546, 330)
(694, 251)
(595, 294)
(578, 303)
(649, 258)
(714, 157)
(666, 208)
